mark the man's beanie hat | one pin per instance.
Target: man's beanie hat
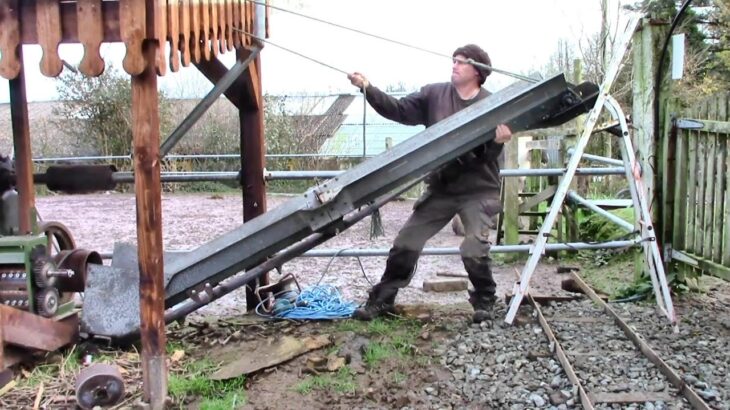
(474, 52)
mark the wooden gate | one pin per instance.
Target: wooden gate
(700, 211)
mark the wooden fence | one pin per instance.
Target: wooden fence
(700, 211)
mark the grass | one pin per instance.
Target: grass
(193, 381)
(397, 337)
(343, 381)
(379, 326)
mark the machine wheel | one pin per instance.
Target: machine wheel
(47, 301)
(99, 385)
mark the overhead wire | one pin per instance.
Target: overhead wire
(389, 40)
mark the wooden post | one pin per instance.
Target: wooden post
(511, 196)
(579, 183)
(253, 152)
(147, 188)
(23, 155)
(647, 45)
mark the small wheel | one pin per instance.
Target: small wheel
(47, 301)
(99, 385)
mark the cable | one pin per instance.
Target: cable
(400, 43)
(291, 51)
(320, 302)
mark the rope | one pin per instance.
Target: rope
(400, 43)
(291, 51)
(320, 302)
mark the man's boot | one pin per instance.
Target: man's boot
(483, 308)
(378, 304)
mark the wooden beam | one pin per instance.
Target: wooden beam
(147, 187)
(252, 159)
(69, 22)
(243, 92)
(23, 155)
(511, 198)
(31, 331)
(541, 196)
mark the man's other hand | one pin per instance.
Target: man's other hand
(504, 134)
(358, 80)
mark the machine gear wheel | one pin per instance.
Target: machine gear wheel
(47, 301)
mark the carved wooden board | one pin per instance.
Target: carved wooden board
(91, 34)
(173, 19)
(195, 29)
(48, 25)
(132, 28)
(185, 32)
(9, 39)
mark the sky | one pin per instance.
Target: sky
(519, 35)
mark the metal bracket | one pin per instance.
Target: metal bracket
(688, 124)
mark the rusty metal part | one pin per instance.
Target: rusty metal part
(269, 292)
(77, 261)
(674, 378)
(47, 301)
(99, 385)
(14, 298)
(28, 330)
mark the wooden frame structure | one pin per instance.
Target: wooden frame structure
(197, 31)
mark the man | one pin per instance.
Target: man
(469, 186)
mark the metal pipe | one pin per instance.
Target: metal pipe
(573, 196)
(227, 176)
(128, 177)
(372, 252)
(275, 175)
(598, 158)
(228, 79)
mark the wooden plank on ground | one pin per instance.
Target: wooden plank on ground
(630, 397)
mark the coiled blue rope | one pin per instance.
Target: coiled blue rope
(320, 302)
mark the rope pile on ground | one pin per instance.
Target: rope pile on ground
(319, 302)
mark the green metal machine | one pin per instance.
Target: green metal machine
(30, 278)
